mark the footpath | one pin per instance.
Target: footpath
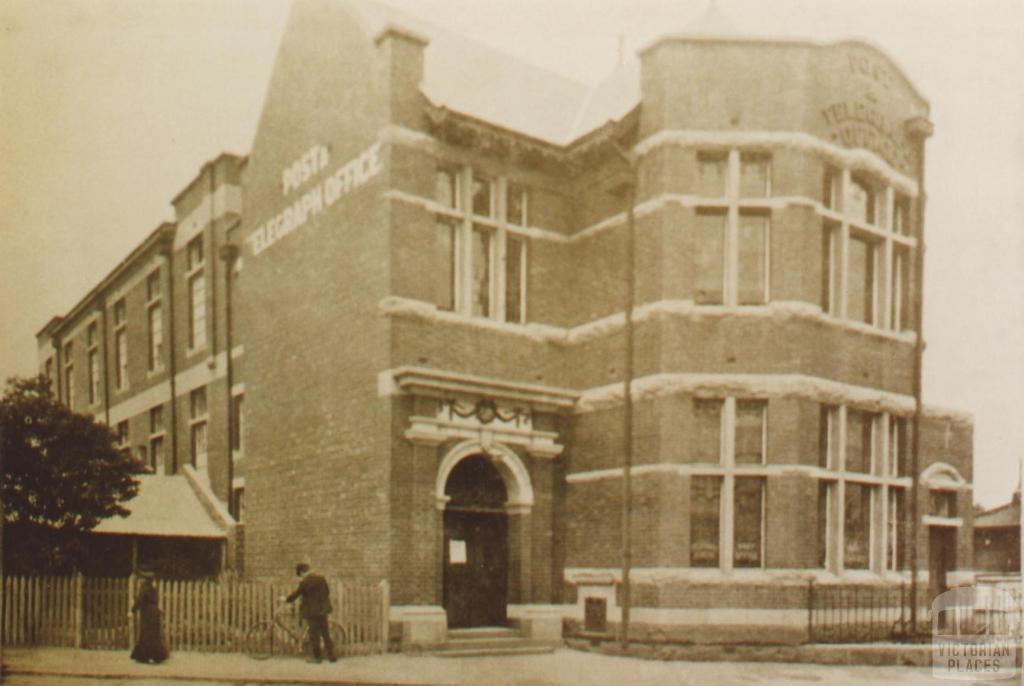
(564, 666)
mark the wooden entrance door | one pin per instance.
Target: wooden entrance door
(476, 568)
(941, 557)
(475, 545)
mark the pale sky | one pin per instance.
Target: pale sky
(109, 107)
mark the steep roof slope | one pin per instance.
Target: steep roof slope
(471, 78)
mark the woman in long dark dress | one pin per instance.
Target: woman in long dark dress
(150, 646)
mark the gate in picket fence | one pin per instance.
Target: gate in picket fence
(208, 616)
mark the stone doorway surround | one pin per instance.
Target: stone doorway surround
(471, 416)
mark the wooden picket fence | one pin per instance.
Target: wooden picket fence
(206, 616)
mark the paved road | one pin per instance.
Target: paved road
(563, 667)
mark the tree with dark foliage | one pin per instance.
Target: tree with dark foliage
(62, 474)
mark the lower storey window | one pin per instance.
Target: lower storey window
(857, 526)
(748, 509)
(705, 498)
(156, 455)
(706, 513)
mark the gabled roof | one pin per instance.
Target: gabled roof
(1007, 515)
(468, 77)
(164, 506)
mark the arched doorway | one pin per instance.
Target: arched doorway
(476, 550)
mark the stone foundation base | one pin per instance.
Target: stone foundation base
(420, 626)
(539, 623)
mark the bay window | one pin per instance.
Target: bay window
(866, 254)
(861, 490)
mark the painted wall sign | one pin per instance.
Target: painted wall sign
(312, 162)
(339, 183)
(864, 120)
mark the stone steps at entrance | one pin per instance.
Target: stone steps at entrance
(484, 641)
(482, 632)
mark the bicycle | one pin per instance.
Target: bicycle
(284, 635)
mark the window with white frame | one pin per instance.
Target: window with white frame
(69, 375)
(156, 439)
(239, 505)
(897, 463)
(198, 418)
(154, 321)
(120, 345)
(899, 280)
(866, 250)
(857, 525)
(123, 437)
(895, 556)
(863, 205)
(861, 489)
(196, 280)
(447, 275)
(237, 423)
(705, 515)
(901, 215)
(157, 459)
(862, 283)
(480, 246)
(709, 255)
(93, 355)
(732, 228)
(832, 189)
(730, 436)
(712, 174)
(49, 369)
(831, 255)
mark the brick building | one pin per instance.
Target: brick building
(391, 339)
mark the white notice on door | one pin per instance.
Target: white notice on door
(457, 552)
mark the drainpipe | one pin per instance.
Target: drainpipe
(627, 396)
(229, 253)
(168, 252)
(919, 129)
(213, 266)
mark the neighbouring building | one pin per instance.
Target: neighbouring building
(391, 339)
(997, 538)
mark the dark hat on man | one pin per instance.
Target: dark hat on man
(301, 568)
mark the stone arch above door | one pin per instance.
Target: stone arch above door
(514, 473)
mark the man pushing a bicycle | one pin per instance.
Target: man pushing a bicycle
(314, 606)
